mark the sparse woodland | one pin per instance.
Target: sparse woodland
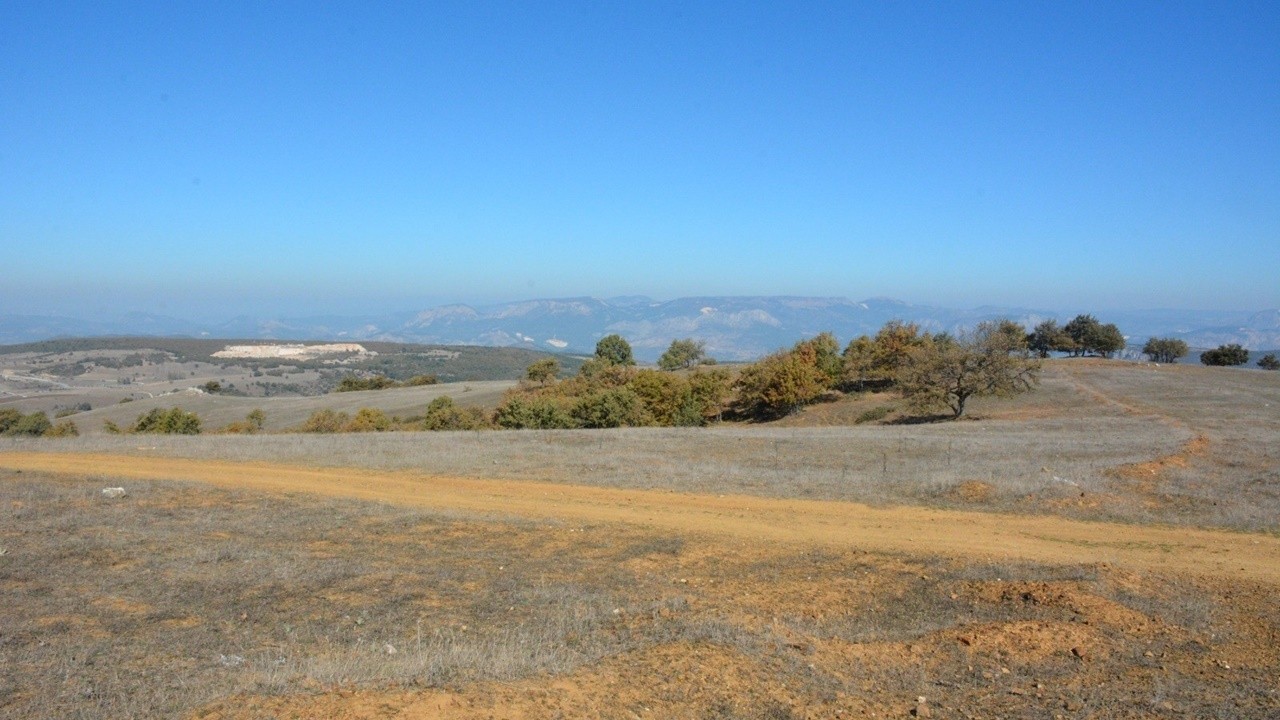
(925, 376)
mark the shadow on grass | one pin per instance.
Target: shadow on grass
(922, 419)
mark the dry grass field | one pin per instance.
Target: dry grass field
(800, 570)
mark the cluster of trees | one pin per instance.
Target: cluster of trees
(36, 424)
(1165, 350)
(1233, 354)
(251, 425)
(610, 391)
(933, 372)
(442, 414)
(1225, 355)
(365, 420)
(1083, 335)
(354, 383)
(174, 421)
(1168, 350)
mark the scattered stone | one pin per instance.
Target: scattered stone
(115, 492)
(922, 708)
(231, 660)
(390, 649)
(1078, 652)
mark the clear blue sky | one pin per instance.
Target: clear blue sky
(215, 158)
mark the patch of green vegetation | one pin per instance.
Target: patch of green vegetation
(397, 361)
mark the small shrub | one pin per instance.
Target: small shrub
(368, 420)
(419, 380)
(443, 414)
(325, 421)
(542, 371)
(35, 424)
(535, 413)
(66, 428)
(616, 407)
(251, 424)
(1269, 362)
(62, 412)
(174, 421)
(873, 414)
(351, 383)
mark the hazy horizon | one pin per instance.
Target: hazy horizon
(292, 160)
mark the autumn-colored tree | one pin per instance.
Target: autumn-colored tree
(444, 414)
(951, 372)
(823, 352)
(779, 385)
(543, 371)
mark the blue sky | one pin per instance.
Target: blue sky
(216, 158)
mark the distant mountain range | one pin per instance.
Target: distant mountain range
(733, 328)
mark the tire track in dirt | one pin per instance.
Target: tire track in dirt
(743, 519)
(1148, 472)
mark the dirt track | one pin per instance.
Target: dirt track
(749, 519)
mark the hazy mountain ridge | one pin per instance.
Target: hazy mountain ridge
(733, 327)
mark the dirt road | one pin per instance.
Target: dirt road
(986, 536)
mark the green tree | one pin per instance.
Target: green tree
(614, 350)
(1225, 355)
(8, 418)
(981, 363)
(683, 354)
(256, 419)
(352, 383)
(33, 424)
(611, 408)
(1088, 335)
(1081, 330)
(532, 413)
(1046, 338)
(1165, 350)
(1269, 362)
(174, 421)
(543, 371)
(1108, 340)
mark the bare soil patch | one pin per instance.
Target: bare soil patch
(185, 600)
(833, 524)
